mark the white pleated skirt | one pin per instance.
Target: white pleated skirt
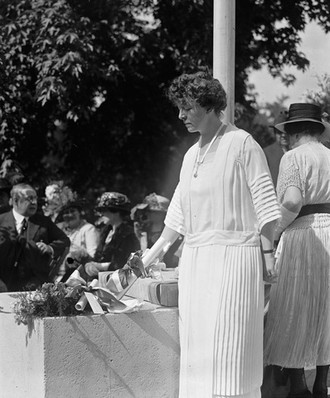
(297, 331)
(221, 321)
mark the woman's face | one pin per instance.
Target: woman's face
(282, 138)
(72, 217)
(193, 116)
(110, 216)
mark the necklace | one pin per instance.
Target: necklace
(199, 161)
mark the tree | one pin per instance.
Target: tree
(321, 95)
(61, 60)
(82, 82)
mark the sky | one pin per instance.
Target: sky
(316, 46)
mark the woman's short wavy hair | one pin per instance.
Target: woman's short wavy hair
(200, 87)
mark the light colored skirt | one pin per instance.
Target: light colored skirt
(221, 321)
(297, 331)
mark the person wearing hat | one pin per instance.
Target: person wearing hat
(118, 239)
(5, 188)
(274, 153)
(297, 328)
(148, 218)
(83, 235)
(276, 150)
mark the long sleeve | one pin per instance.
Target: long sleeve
(91, 238)
(123, 243)
(55, 237)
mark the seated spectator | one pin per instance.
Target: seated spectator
(5, 188)
(30, 243)
(84, 237)
(148, 218)
(118, 239)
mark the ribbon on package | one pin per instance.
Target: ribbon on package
(121, 280)
(110, 287)
(100, 298)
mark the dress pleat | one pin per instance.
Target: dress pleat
(221, 299)
(297, 333)
(238, 347)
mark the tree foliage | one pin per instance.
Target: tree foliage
(82, 82)
(321, 95)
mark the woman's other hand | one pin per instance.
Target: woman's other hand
(270, 274)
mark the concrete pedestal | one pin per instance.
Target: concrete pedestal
(96, 356)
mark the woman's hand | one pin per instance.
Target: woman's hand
(92, 268)
(269, 271)
(135, 263)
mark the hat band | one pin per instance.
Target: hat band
(295, 114)
(292, 119)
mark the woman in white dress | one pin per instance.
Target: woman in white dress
(225, 206)
(84, 237)
(297, 332)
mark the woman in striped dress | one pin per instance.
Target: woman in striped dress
(226, 207)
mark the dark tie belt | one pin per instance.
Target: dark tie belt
(315, 208)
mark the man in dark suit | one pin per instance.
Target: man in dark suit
(29, 242)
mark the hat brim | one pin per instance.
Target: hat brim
(325, 136)
(74, 205)
(141, 206)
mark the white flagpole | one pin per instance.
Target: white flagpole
(224, 50)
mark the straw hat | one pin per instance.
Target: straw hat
(113, 201)
(154, 202)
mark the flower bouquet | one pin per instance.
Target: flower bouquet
(59, 299)
(51, 300)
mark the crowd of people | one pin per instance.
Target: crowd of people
(242, 217)
(47, 243)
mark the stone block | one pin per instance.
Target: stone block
(90, 356)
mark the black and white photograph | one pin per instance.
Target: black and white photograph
(164, 198)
